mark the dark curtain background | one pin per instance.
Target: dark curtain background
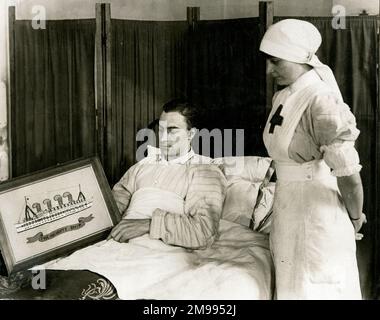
(352, 55)
(53, 119)
(148, 69)
(227, 78)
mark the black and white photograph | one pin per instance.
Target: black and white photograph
(189, 150)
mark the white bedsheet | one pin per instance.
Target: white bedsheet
(237, 266)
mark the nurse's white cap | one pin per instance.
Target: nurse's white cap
(297, 41)
(292, 40)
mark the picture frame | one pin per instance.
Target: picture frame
(53, 212)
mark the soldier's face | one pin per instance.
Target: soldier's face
(175, 137)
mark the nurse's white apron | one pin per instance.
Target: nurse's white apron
(312, 238)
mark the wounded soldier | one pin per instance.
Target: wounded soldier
(173, 195)
(171, 205)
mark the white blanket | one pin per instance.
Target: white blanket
(237, 266)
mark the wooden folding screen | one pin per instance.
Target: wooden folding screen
(85, 117)
(52, 114)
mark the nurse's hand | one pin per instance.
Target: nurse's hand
(358, 225)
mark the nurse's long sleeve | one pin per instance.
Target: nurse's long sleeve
(335, 131)
(198, 227)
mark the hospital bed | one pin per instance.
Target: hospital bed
(237, 266)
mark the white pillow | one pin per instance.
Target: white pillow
(251, 168)
(240, 201)
(245, 177)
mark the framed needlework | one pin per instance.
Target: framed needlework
(51, 213)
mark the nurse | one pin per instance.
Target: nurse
(310, 135)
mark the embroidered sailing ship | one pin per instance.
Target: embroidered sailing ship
(34, 215)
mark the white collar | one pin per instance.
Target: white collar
(183, 159)
(156, 152)
(304, 81)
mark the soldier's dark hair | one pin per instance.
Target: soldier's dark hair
(185, 108)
